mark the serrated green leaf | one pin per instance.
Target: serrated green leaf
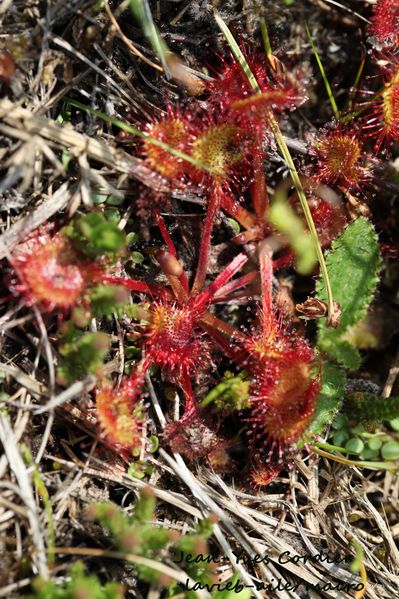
(353, 264)
(342, 351)
(331, 395)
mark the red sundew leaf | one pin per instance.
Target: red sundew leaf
(120, 415)
(340, 157)
(49, 272)
(385, 23)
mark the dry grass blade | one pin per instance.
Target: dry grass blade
(16, 464)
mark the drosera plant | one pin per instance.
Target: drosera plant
(340, 158)
(53, 270)
(285, 379)
(174, 338)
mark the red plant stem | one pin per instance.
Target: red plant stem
(266, 277)
(214, 323)
(191, 407)
(200, 276)
(238, 212)
(260, 196)
(255, 234)
(177, 288)
(134, 285)
(217, 331)
(227, 273)
(236, 284)
(237, 298)
(136, 378)
(171, 246)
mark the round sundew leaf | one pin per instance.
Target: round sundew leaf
(113, 200)
(235, 225)
(135, 471)
(354, 445)
(131, 238)
(390, 451)
(153, 444)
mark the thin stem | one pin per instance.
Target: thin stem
(227, 273)
(177, 287)
(306, 210)
(134, 285)
(266, 277)
(211, 321)
(223, 335)
(324, 76)
(171, 246)
(205, 247)
(260, 196)
(236, 284)
(238, 212)
(191, 407)
(360, 464)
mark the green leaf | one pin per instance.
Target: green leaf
(353, 264)
(367, 407)
(390, 451)
(82, 353)
(354, 445)
(106, 299)
(343, 352)
(283, 217)
(94, 236)
(331, 395)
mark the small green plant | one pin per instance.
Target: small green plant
(82, 353)
(137, 534)
(79, 586)
(232, 393)
(358, 429)
(95, 236)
